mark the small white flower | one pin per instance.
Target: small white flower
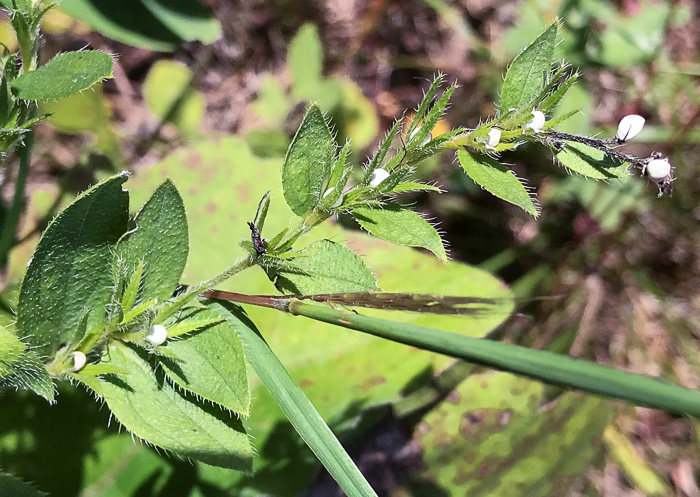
(79, 361)
(378, 175)
(157, 334)
(494, 138)
(537, 121)
(629, 127)
(658, 169)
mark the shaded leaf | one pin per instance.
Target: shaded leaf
(21, 368)
(154, 411)
(496, 179)
(307, 165)
(213, 363)
(12, 486)
(402, 226)
(528, 73)
(323, 267)
(305, 61)
(70, 269)
(65, 74)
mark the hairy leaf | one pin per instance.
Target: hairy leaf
(402, 226)
(591, 162)
(154, 411)
(323, 267)
(21, 368)
(307, 165)
(496, 179)
(160, 242)
(528, 73)
(213, 363)
(11, 486)
(64, 75)
(70, 269)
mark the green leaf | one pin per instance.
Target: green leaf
(409, 186)
(295, 404)
(496, 179)
(149, 24)
(65, 74)
(402, 226)
(213, 363)
(338, 179)
(431, 119)
(12, 486)
(307, 165)
(528, 73)
(132, 289)
(323, 267)
(550, 103)
(70, 269)
(160, 242)
(591, 162)
(417, 118)
(21, 368)
(305, 61)
(168, 93)
(189, 325)
(156, 412)
(378, 159)
(547, 448)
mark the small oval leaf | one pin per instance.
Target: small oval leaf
(402, 226)
(323, 267)
(528, 73)
(591, 162)
(64, 75)
(307, 165)
(496, 179)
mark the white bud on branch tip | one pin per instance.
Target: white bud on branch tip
(79, 361)
(658, 169)
(629, 127)
(378, 175)
(494, 138)
(157, 334)
(537, 121)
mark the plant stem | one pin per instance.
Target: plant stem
(9, 230)
(170, 308)
(538, 364)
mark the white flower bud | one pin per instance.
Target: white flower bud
(494, 138)
(629, 127)
(157, 334)
(329, 191)
(537, 121)
(658, 169)
(79, 361)
(378, 175)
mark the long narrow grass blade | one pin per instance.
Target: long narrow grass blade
(538, 364)
(295, 404)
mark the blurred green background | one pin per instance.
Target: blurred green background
(210, 94)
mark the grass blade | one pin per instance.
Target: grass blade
(538, 364)
(295, 404)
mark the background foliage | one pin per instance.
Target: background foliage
(618, 267)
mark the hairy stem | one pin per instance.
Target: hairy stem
(9, 231)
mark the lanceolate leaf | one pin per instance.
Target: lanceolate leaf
(151, 409)
(161, 241)
(528, 73)
(590, 162)
(65, 74)
(496, 179)
(307, 165)
(70, 270)
(324, 266)
(400, 225)
(213, 364)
